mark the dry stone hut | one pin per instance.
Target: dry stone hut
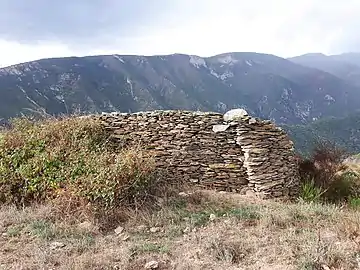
(231, 152)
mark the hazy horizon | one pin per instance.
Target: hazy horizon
(207, 56)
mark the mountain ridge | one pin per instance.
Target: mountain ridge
(345, 66)
(267, 86)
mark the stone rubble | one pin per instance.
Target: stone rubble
(232, 152)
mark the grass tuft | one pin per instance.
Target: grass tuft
(227, 251)
(42, 229)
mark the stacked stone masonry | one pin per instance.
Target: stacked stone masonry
(235, 154)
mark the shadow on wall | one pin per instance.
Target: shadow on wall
(231, 152)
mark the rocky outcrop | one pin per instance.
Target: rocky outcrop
(234, 152)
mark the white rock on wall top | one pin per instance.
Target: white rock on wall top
(235, 114)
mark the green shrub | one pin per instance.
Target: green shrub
(323, 177)
(45, 160)
(343, 188)
(309, 192)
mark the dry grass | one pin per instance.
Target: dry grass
(72, 189)
(205, 230)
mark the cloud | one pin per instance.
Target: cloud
(14, 53)
(75, 21)
(43, 28)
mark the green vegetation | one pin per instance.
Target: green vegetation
(70, 158)
(102, 87)
(310, 192)
(149, 248)
(326, 178)
(354, 203)
(75, 188)
(42, 229)
(14, 231)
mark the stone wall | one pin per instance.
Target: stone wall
(232, 152)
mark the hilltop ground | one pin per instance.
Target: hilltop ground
(70, 200)
(204, 230)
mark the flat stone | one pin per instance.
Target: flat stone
(220, 128)
(119, 230)
(235, 114)
(152, 265)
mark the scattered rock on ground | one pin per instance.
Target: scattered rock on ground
(152, 265)
(119, 230)
(57, 245)
(155, 229)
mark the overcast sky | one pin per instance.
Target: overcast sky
(33, 29)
